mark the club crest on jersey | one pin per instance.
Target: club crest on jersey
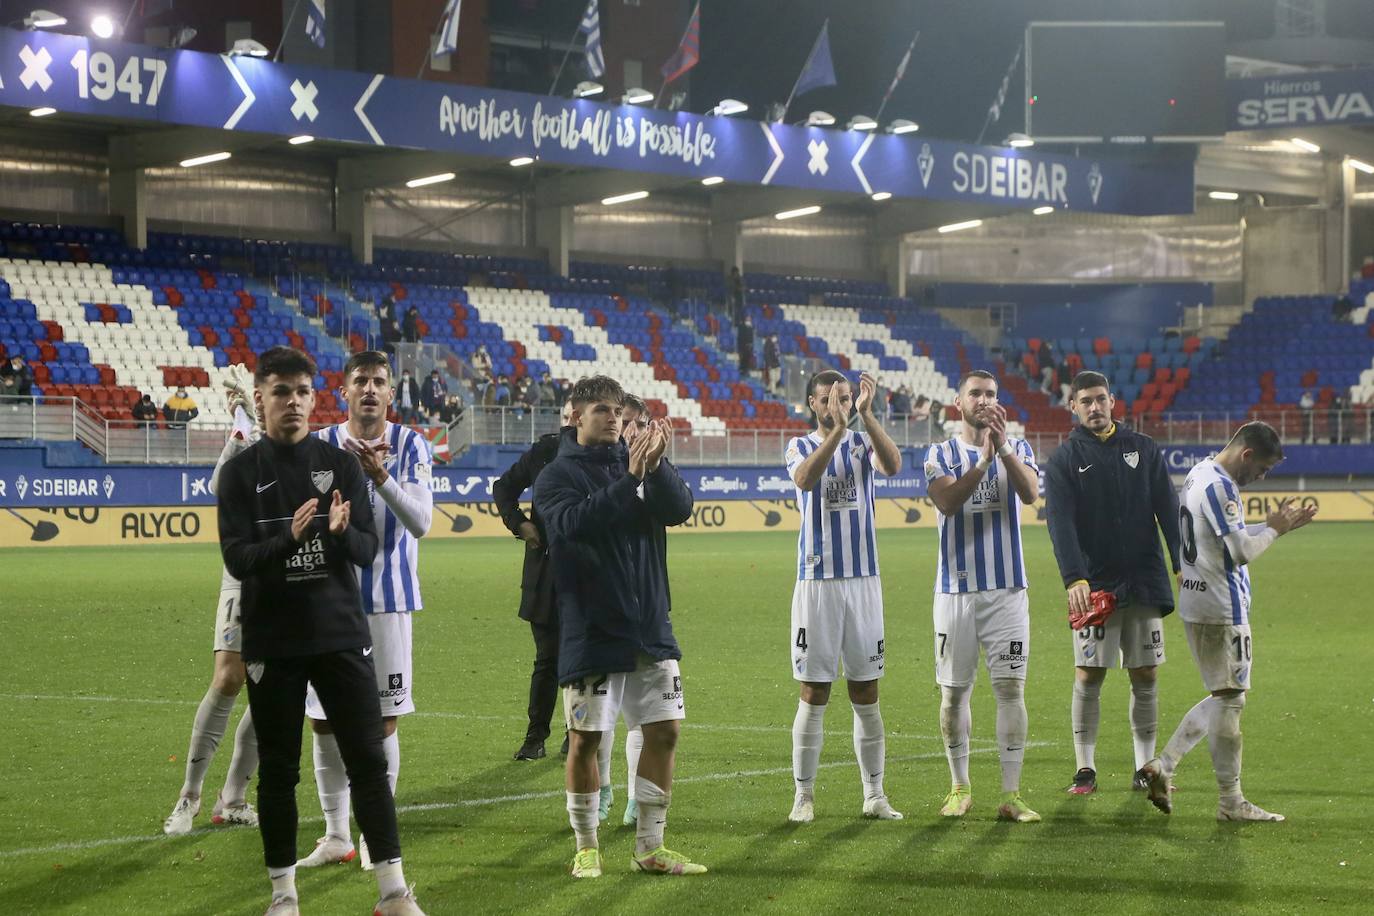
(322, 480)
(1132, 459)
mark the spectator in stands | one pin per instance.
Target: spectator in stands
(772, 362)
(179, 410)
(410, 325)
(1338, 425)
(1305, 405)
(451, 410)
(16, 378)
(433, 394)
(1341, 308)
(1367, 268)
(548, 391)
(1066, 375)
(145, 411)
(1045, 358)
(481, 361)
(501, 395)
(533, 395)
(920, 409)
(899, 404)
(735, 289)
(745, 346)
(407, 399)
(391, 331)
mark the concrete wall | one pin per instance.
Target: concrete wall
(1284, 251)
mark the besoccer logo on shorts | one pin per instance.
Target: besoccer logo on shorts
(393, 681)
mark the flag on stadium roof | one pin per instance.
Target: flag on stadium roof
(901, 71)
(448, 29)
(995, 110)
(591, 27)
(819, 70)
(314, 22)
(688, 53)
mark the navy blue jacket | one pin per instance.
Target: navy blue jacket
(609, 554)
(1102, 500)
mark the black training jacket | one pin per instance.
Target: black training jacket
(609, 552)
(298, 598)
(1102, 501)
(536, 580)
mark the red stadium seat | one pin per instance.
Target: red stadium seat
(1162, 374)
(1102, 346)
(1191, 344)
(1181, 376)
(1144, 360)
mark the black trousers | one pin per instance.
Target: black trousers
(543, 680)
(347, 687)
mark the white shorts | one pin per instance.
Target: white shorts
(651, 693)
(1133, 637)
(834, 620)
(391, 659)
(997, 619)
(1222, 652)
(229, 620)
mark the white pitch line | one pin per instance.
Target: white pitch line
(440, 714)
(467, 803)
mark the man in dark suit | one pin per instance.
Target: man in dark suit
(536, 587)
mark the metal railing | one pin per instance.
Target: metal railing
(131, 442)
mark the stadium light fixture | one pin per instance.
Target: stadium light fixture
(247, 47)
(42, 112)
(44, 19)
(624, 198)
(1306, 146)
(903, 126)
(1223, 195)
(1365, 195)
(301, 140)
(729, 107)
(1019, 141)
(880, 196)
(636, 96)
(588, 88)
(521, 161)
(820, 119)
(430, 179)
(1362, 166)
(956, 227)
(102, 26)
(713, 180)
(1042, 211)
(205, 160)
(800, 211)
(861, 122)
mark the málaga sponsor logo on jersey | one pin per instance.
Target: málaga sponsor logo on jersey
(307, 563)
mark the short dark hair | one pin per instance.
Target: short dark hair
(976, 373)
(284, 362)
(824, 377)
(1262, 438)
(366, 359)
(1090, 379)
(636, 403)
(594, 389)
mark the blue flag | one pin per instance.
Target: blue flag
(314, 22)
(820, 69)
(448, 29)
(591, 27)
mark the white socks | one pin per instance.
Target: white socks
(807, 738)
(283, 881)
(1086, 713)
(212, 719)
(583, 809)
(331, 782)
(870, 748)
(1144, 721)
(243, 763)
(603, 755)
(392, 747)
(1190, 731)
(1011, 729)
(1224, 739)
(390, 878)
(653, 815)
(634, 743)
(955, 722)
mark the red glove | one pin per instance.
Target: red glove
(1100, 607)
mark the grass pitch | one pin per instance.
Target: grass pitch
(108, 656)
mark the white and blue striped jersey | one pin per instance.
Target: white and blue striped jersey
(1215, 588)
(392, 582)
(980, 546)
(838, 539)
